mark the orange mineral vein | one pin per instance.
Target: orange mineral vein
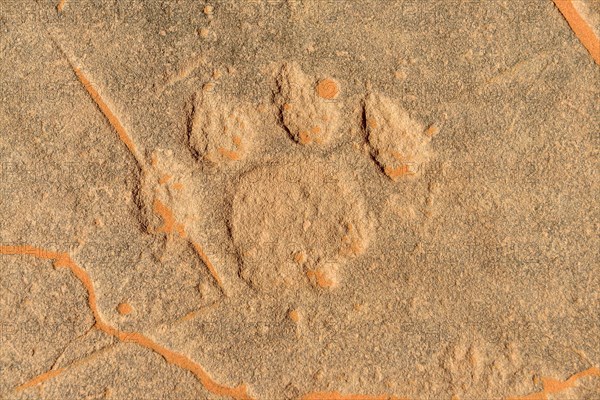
(63, 260)
(553, 386)
(41, 378)
(110, 116)
(580, 27)
(55, 372)
(339, 396)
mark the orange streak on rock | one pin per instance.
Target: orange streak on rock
(339, 396)
(395, 173)
(63, 260)
(208, 264)
(170, 225)
(164, 179)
(532, 396)
(29, 251)
(101, 104)
(320, 278)
(40, 378)
(555, 386)
(195, 313)
(239, 392)
(580, 27)
(60, 5)
(232, 155)
(55, 372)
(432, 130)
(551, 385)
(110, 116)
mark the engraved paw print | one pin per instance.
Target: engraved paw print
(298, 217)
